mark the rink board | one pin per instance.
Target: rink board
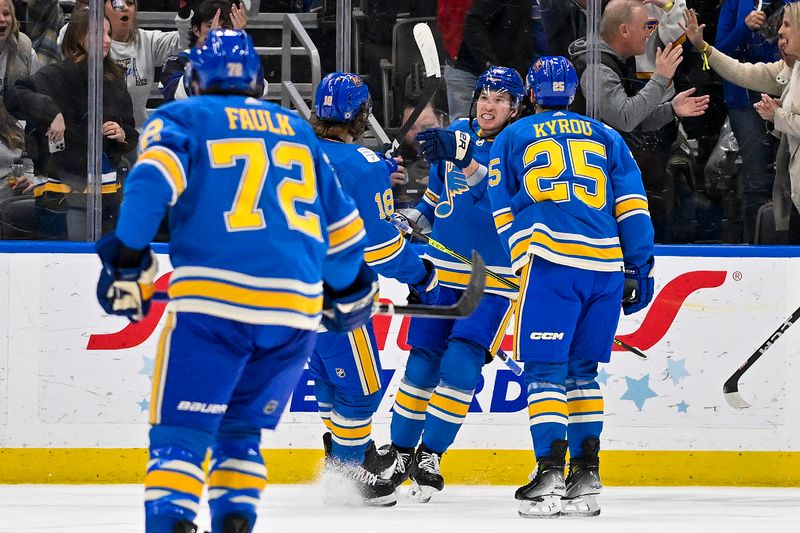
(75, 384)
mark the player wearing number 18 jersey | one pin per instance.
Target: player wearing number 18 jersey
(261, 232)
(570, 207)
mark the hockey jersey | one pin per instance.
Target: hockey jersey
(566, 188)
(460, 223)
(258, 217)
(365, 177)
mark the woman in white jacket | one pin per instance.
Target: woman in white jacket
(781, 78)
(139, 51)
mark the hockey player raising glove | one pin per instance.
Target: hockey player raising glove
(638, 287)
(350, 308)
(125, 286)
(425, 291)
(439, 144)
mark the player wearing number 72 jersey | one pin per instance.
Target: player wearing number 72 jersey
(261, 232)
(570, 207)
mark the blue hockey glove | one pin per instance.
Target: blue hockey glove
(391, 164)
(439, 144)
(350, 308)
(638, 290)
(126, 282)
(425, 291)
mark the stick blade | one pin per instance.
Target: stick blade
(730, 391)
(469, 301)
(427, 48)
(735, 400)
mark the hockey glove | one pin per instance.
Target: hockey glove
(425, 291)
(350, 308)
(439, 144)
(414, 218)
(391, 163)
(638, 290)
(126, 281)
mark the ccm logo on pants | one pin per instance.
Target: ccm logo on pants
(547, 336)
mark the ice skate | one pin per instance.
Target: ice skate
(184, 526)
(403, 467)
(369, 483)
(541, 497)
(426, 479)
(583, 482)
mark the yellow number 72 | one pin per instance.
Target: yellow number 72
(244, 214)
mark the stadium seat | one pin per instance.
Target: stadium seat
(18, 218)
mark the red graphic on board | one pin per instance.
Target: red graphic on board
(657, 322)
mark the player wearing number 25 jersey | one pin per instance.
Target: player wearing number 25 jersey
(570, 207)
(261, 232)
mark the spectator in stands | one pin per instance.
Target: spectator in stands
(139, 51)
(409, 184)
(778, 78)
(739, 35)
(54, 102)
(12, 147)
(209, 15)
(637, 111)
(496, 32)
(17, 58)
(45, 19)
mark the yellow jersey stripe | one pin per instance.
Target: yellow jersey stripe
(547, 406)
(381, 254)
(449, 406)
(576, 249)
(351, 433)
(170, 166)
(175, 481)
(366, 359)
(585, 406)
(411, 403)
(629, 205)
(431, 196)
(159, 367)
(339, 236)
(230, 479)
(264, 298)
(503, 219)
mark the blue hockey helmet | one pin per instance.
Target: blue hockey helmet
(340, 96)
(553, 81)
(227, 62)
(500, 79)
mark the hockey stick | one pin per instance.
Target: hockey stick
(430, 57)
(731, 387)
(406, 228)
(464, 307)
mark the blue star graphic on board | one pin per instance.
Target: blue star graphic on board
(683, 407)
(638, 390)
(602, 376)
(676, 369)
(147, 366)
(144, 405)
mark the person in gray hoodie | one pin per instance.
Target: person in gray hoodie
(639, 111)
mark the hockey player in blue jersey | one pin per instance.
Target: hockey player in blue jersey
(444, 366)
(346, 367)
(571, 210)
(261, 235)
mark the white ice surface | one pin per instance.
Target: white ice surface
(460, 509)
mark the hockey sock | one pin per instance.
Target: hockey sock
(236, 477)
(461, 371)
(584, 403)
(174, 480)
(411, 402)
(324, 395)
(351, 437)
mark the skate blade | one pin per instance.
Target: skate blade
(542, 507)
(382, 501)
(421, 493)
(580, 506)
